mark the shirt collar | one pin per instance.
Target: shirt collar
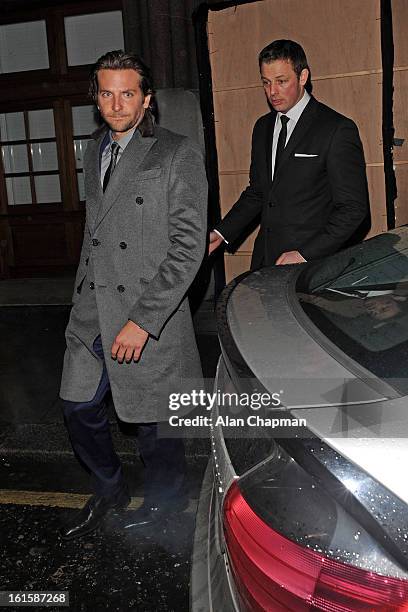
(145, 127)
(295, 112)
(124, 141)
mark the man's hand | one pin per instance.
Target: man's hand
(215, 241)
(289, 257)
(129, 343)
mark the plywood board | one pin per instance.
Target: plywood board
(236, 265)
(401, 203)
(359, 98)
(235, 115)
(376, 188)
(399, 24)
(231, 186)
(401, 114)
(339, 36)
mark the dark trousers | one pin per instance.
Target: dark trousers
(89, 432)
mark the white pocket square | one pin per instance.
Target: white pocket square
(306, 155)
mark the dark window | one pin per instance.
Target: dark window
(363, 309)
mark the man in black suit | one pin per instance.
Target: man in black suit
(307, 178)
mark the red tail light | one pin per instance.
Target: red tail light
(275, 574)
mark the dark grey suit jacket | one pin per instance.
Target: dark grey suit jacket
(318, 197)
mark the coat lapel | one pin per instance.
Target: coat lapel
(128, 164)
(302, 127)
(92, 177)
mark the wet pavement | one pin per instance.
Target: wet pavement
(115, 569)
(41, 484)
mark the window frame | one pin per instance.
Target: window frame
(59, 87)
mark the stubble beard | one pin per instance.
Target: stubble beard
(116, 129)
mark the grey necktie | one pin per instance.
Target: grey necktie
(114, 158)
(281, 142)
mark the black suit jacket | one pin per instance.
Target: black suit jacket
(318, 196)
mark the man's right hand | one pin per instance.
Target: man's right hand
(215, 241)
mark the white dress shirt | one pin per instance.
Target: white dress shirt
(293, 115)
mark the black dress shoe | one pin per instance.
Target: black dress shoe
(90, 517)
(149, 514)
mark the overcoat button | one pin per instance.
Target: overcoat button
(123, 245)
(95, 242)
(120, 288)
(92, 285)
(139, 200)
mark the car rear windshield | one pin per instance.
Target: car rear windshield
(359, 300)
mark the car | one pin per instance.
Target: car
(304, 504)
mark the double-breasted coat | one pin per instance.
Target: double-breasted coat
(143, 243)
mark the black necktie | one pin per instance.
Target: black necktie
(114, 158)
(281, 142)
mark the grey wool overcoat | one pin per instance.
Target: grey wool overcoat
(144, 241)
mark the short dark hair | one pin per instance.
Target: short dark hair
(120, 60)
(288, 50)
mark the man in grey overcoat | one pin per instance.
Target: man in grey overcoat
(130, 328)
